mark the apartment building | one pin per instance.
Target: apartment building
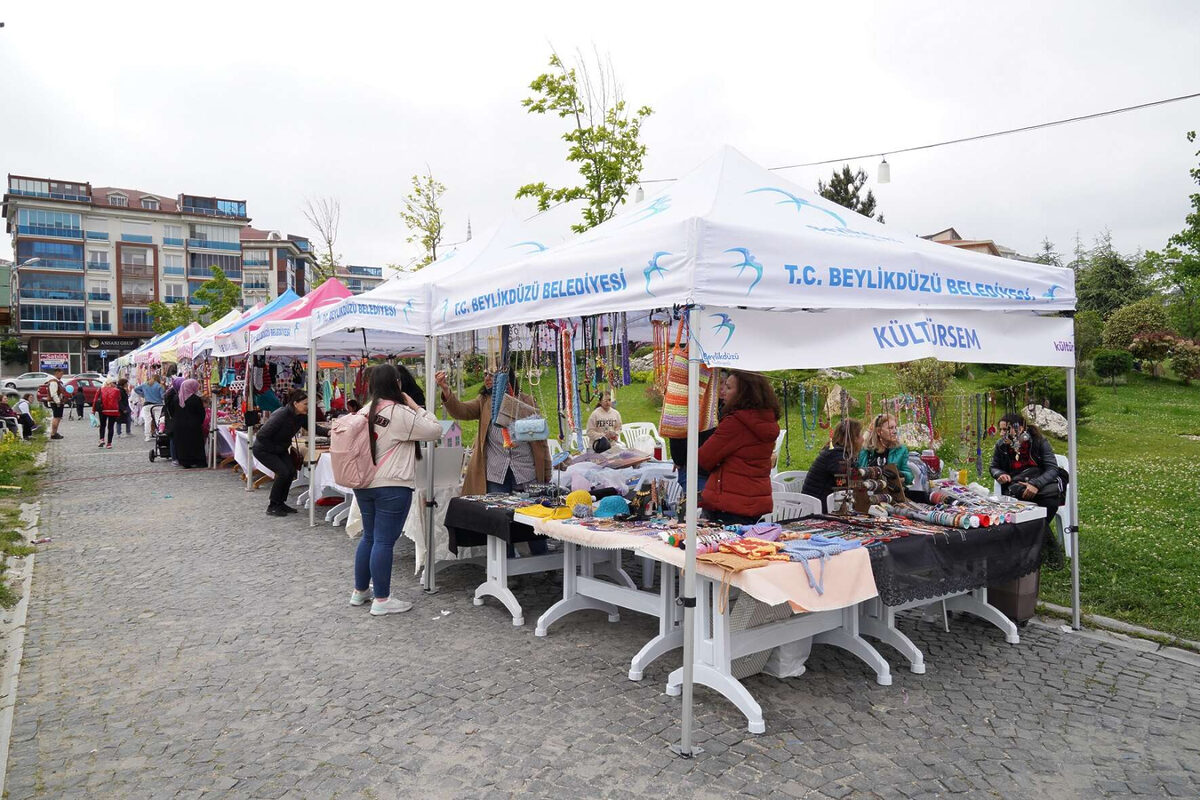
(90, 260)
(272, 263)
(360, 279)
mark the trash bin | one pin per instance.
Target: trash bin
(1017, 599)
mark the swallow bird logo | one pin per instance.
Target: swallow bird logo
(407, 307)
(536, 247)
(798, 202)
(445, 308)
(657, 206)
(1049, 293)
(725, 324)
(748, 262)
(654, 268)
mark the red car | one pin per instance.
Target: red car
(89, 387)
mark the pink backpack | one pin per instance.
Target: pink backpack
(350, 451)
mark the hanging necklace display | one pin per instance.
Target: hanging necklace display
(500, 377)
(964, 436)
(661, 333)
(808, 427)
(626, 368)
(929, 421)
(870, 407)
(979, 435)
(787, 427)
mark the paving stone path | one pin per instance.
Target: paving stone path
(181, 643)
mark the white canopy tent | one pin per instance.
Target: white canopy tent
(204, 337)
(127, 359)
(399, 314)
(774, 276)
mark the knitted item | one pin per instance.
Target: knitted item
(730, 564)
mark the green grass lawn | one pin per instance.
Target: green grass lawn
(1139, 492)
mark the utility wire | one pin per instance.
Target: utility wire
(991, 135)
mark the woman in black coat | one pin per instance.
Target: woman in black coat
(272, 445)
(189, 426)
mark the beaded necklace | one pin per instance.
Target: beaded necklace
(807, 428)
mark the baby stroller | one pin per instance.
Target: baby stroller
(162, 441)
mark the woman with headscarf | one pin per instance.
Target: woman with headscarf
(189, 426)
(171, 413)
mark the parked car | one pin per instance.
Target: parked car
(27, 381)
(96, 376)
(88, 386)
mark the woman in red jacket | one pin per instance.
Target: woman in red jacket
(737, 457)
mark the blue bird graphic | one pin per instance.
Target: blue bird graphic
(538, 247)
(798, 202)
(726, 324)
(657, 206)
(653, 267)
(1049, 293)
(748, 261)
(407, 307)
(445, 308)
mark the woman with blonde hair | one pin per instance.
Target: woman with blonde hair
(834, 460)
(883, 447)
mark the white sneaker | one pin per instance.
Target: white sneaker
(358, 598)
(389, 606)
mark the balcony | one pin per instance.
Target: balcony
(50, 230)
(256, 285)
(100, 296)
(137, 271)
(370, 272)
(138, 327)
(170, 241)
(101, 266)
(137, 238)
(101, 235)
(136, 298)
(50, 294)
(57, 263)
(100, 327)
(213, 207)
(173, 271)
(256, 262)
(171, 299)
(52, 325)
(205, 244)
(75, 198)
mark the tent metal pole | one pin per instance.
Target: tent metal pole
(428, 578)
(313, 404)
(1073, 496)
(688, 595)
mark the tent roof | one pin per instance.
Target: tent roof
(733, 233)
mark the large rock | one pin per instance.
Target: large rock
(1048, 420)
(643, 364)
(834, 374)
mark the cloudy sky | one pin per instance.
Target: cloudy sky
(276, 102)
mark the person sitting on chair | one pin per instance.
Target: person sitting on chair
(1024, 465)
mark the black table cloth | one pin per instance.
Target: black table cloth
(470, 522)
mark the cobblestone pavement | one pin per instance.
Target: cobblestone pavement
(180, 642)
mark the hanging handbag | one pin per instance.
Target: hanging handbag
(513, 409)
(673, 423)
(530, 429)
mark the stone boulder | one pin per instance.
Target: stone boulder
(1048, 420)
(834, 374)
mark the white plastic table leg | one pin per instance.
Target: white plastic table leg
(976, 605)
(847, 637)
(496, 584)
(670, 626)
(879, 622)
(572, 600)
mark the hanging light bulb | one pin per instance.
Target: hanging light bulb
(640, 196)
(885, 171)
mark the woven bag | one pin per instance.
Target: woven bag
(673, 424)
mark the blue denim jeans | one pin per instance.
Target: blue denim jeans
(537, 547)
(681, 472)
(384, 511)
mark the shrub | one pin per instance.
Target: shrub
(1185, 360)
(642, 351)
(1128, 321)
(1153, 347)
(927, 376)
(1049, 384)
(1089, 333)
(643, 376)
(1112, 363)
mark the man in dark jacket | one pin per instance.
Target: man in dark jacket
(1023, 463)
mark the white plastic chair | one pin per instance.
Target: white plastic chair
(779, 444)
(1064, 512)
(791, 480)
(555, 447)
(642, 436)
(791, 505)
(778, 486)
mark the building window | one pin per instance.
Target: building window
(40, 222)
(200, 265)
(98, 291)
(118, 200)
(135, 319)
(174, 293)
(100, 320)
(173, 231)
(172, 264)
(150, 203)
(135, 256)
(50, 286)
(51, 318)
(98, 260)
(52, 255)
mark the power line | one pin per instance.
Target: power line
(991, 135)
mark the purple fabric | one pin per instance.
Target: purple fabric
(187, 389)
(767, 531)
(176, 382)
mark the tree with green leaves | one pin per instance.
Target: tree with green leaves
(219, 296)
(604, 138)
(1048, 255)
(1178, 265)
(1108, 280)
(1112, 364)
(423, 216)
(164, 318)
(845, 189)
(325, 215)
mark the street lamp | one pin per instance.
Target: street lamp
(12, 297)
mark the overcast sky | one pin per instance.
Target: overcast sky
(276, 102)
